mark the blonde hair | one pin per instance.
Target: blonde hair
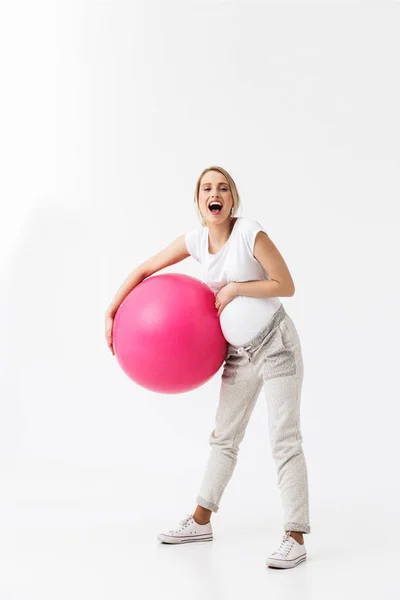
(232, 187)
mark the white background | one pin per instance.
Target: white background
(109, 112)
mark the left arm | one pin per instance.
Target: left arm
(280, 284)
(269, 257)
(260, 289)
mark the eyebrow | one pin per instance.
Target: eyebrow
(220, 183)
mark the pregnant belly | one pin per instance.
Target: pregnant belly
(245, 316)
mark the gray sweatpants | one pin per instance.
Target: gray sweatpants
(273, 360)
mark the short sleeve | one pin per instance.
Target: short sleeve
(251, 230)
(192, 241)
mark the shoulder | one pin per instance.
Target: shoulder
(249, 224)
(194, 234)
(250, 228)
(193, 241)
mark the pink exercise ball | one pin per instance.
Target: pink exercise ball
(167, 335)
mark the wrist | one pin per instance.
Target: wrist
(235, 287)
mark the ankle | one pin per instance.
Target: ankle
(202, 515)
(200, 521)
(298, 536)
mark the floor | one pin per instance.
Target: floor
(108, 561)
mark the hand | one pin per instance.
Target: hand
(225, 295)
(109, 328)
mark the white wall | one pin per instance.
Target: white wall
(110, 111)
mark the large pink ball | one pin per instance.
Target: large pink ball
(167, 335)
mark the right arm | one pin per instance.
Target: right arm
(172, 254)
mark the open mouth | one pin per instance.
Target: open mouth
(215, 207)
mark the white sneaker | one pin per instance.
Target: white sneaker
(187, 531)
(289, 554)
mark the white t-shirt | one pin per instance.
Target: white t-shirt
(244, 316)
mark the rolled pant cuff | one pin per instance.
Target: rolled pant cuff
(205, 504)
(297, 527)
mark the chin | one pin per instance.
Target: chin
(212, 218)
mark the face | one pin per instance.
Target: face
(214, 188)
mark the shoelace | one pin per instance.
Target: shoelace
(182, 523)
(185, 520)
(285, 545)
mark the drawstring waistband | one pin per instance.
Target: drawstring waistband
(243, 351)
(276, 318)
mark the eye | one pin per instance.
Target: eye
(224, 189)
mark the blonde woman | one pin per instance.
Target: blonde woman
(248, 275)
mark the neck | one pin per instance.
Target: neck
(219, 233)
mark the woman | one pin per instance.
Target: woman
(247, 274)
